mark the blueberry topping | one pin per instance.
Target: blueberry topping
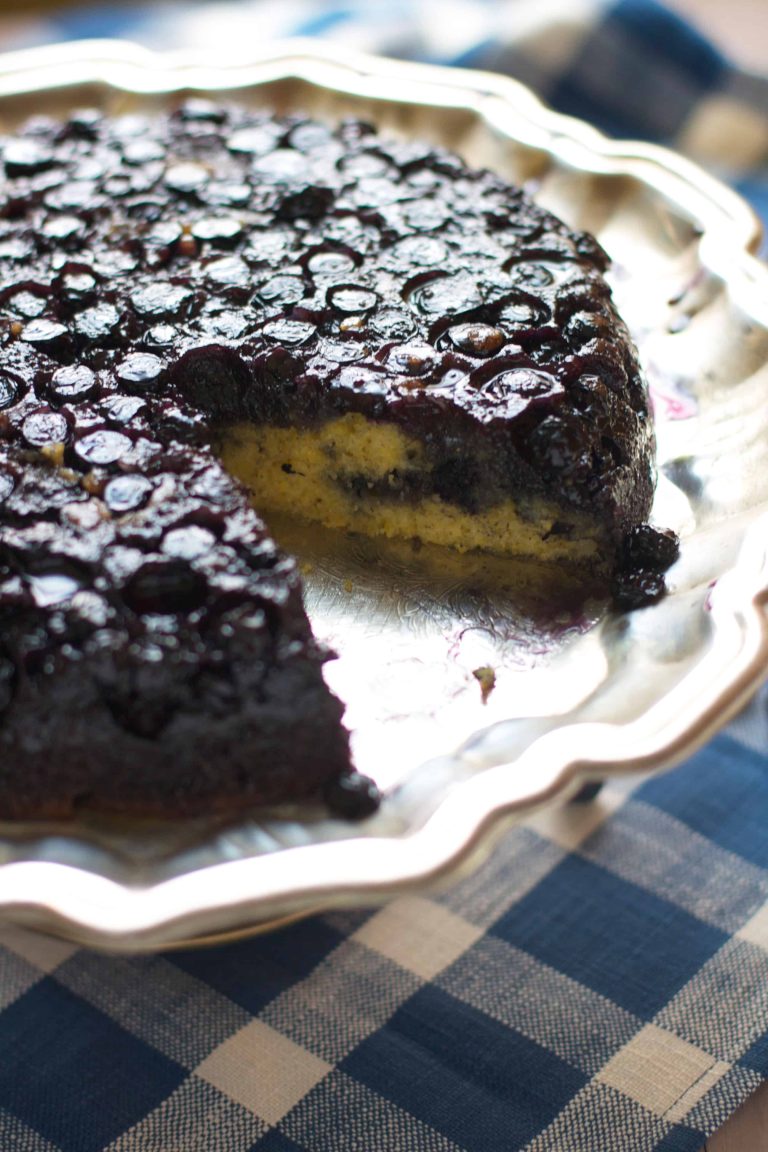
(330, 262)
(653, 548)
(72, 383)
(7, 683)
(305, 204)
(170, 276)
(282, 289)
(445, 295)
(45, 334)
(196, 110)
(222, 230)
(85, 123)
(351, 298)
(165, 585)
(256, 141)
(122, 409)
(127, 493)
(23, 157)
(10, 390)
(27, 304)
(638, 588)
(186, 178)
(7, 485)
(63, 228)
(102, 447)
(352, 796)
(188, 543)
(230, 270)
(413, 359)
(393, 324)
(161, 300)
(477, 339)
(288, 332)
(140, 151)
(160, 336)
(140, 372)
(45, 427)
(98, 322)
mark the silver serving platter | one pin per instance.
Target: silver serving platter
(581, 692)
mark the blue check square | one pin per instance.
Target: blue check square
(254, 972)
(721, 793)
(73, 1075)
(620, 940)
(641, 71)
(483, 1085)
(756, 1056)
(680, 1139)
(275, 1141)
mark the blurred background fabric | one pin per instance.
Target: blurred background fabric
(636, 68)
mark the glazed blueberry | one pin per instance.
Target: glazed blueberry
(127, 493)
(188, 543)
(477, 339)
(161, 300)
(653, 548)
(7, 485)
(255, 141)
(140, 372)
(196, 110)
(352, 796)
(26, 304)
(220, 230)
(10, 390)
(23, 157)
(73, 383)
(330, 262)
(97, 323)
(283, 290)
(63, 229)
(351, 298)
(638, 588)
(102, 447)
(288, 332)
(45, 427)
(393, 324)
(122, 409)
(165, 585)
(186, 178)
(307, 204)
(48, 335)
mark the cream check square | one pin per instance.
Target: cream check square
(194, 1118)
(419, 935)
(262, 1070)
(570, 825)
(682, 1107)
(721, 126)
(755, 931)
(43, 952)
(348, 996)
(661, 1071)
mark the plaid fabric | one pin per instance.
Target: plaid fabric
(602, 983)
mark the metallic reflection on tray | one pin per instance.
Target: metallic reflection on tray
(575, 692)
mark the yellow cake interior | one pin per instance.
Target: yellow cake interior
(301, 472)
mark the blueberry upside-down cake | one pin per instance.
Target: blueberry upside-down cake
(215, 313)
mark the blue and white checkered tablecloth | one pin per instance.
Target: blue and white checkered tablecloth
(602, 983)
